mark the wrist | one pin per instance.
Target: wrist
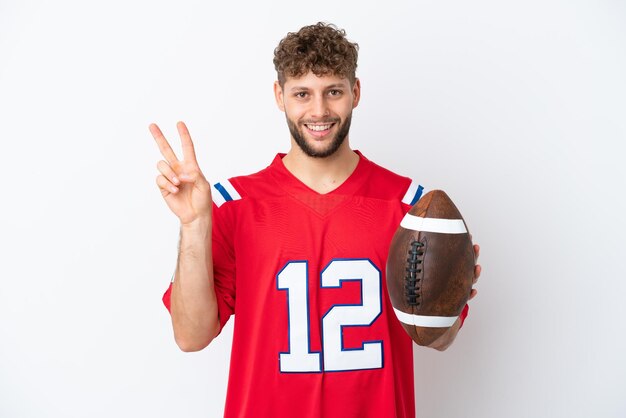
(201, 222)
(199, 227)
(195, 238)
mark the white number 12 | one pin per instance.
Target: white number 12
(294, 279)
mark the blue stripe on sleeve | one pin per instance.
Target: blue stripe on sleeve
(223, 192)
(418, 194)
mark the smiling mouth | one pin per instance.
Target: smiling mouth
(319, 127)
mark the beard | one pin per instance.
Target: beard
(307, 147)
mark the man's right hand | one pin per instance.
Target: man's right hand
(182, 184)
(193, 302)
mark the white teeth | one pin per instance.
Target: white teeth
(318, 127)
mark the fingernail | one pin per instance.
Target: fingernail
(173, 189)
(175, 180)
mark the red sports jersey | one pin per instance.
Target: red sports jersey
(315, 334)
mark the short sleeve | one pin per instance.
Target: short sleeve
(223, 264)
(413, 193)
(463, 315)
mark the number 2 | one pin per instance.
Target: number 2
(300, 359)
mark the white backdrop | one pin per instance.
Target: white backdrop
(517, 109)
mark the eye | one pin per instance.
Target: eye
(335, 92)
(301, 94)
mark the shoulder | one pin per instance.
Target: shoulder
(388, 185)
(241, 188)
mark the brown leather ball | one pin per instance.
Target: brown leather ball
(430, 267)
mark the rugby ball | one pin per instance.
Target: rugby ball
(430, 267)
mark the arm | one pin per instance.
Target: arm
(446, 340)
(193, 304)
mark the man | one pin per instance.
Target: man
(298, 253)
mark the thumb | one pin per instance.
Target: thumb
(190, 176)
(196, 178)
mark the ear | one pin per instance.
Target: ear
(279, 96)
(356, 92)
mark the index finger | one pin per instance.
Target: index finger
(189, 154)
(164, 146)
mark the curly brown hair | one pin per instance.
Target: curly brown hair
(321, 48)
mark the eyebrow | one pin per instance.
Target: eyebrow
(331, 86)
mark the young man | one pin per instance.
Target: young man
(298, 252)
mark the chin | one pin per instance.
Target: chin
(316, 151)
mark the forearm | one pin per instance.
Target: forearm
(193, 301)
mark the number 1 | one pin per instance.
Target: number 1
(294, 279)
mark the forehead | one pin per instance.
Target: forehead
(312, 81)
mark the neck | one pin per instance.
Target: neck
(321, 174)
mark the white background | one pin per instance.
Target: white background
(517, 109)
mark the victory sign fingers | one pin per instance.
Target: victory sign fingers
(182, 184)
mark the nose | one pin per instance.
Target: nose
(319, 107)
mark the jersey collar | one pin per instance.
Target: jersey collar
(292, 184)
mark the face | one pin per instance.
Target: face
(318, 111)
